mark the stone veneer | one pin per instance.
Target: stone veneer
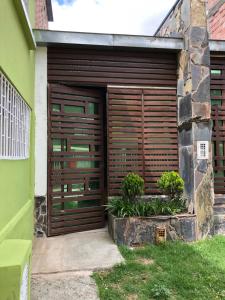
(136, 231)
(188, 20)
(40, 225)
(219, 215)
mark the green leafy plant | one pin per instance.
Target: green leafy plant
(132, 187)
(160, 292)
(130, 204)
(171, 184)
(122, 208)
(168, 207)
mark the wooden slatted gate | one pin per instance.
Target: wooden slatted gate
(218, 118)
(142, 128)
(142, 135)
(75, 159)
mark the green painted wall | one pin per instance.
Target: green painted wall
(16, 59)
(17, 62)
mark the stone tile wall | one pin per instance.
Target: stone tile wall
(137, 231)
(40, 224)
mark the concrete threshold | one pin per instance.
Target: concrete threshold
(62, 266)
(84, 251)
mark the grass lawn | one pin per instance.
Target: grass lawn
(169, 271)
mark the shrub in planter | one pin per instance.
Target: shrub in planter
(133, 220)
(129, 205)
(132, 187)
(167, 207)
(122, 208)
(171, 184)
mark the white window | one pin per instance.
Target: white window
(14, 122)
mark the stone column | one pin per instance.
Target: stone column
(189, 20)
(194, 114)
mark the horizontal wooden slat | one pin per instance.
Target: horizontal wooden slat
(76, 216)
(80, 221)
(70, 229)
(102, 67)
(218, 117)
(66, 212)
(148, 145)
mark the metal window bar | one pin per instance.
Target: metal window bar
(14, 122)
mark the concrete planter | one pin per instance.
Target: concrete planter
(142, 230)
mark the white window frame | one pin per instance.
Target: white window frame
(15, 117)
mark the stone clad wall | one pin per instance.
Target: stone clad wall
(189, 20)
(40, 217)
(136, 231)
(173, 26)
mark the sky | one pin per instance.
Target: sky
(140, 17)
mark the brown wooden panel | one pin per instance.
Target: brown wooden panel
(218, 119)
(138, 141)
(102, 66)
(78, 211)
(76, 216)
(71, 229)
(75, 159)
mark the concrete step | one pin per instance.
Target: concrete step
(219, 209)
(219, 199)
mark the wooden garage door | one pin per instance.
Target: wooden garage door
(75, 159)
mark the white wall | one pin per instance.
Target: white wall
(41, 122)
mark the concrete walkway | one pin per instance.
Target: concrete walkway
(64, 286)
(61, 266)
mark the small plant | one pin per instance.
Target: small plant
(160, 292)
(167, 207)
(132, 187)
(123, 208)
(171, 184)
(120, 208)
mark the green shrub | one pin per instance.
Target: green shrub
(171, 184)
(132, 187)
(129, 205)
